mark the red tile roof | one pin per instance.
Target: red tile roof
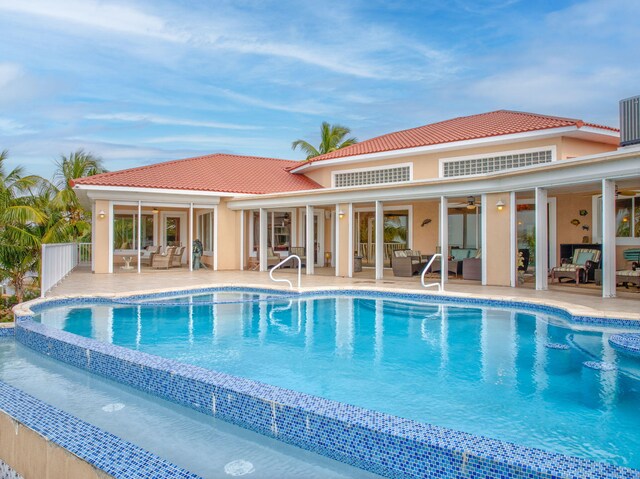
(484, 125)
(216, 173)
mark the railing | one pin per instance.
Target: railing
(443, 270)
(282, 280)
(58, 260)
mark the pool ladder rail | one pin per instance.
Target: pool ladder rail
(443, 270)
(283, 280)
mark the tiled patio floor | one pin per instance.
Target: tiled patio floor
(580, 300)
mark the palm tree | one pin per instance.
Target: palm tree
(20, 218)
(69, 221)
(332, 138)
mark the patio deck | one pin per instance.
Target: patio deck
(584, 299)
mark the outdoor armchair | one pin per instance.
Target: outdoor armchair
(578, 267)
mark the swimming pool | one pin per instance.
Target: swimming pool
(498, 372)
(197, 443)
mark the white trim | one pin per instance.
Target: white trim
(443, 230)
(559, 174)
(379, 241)
(525, 136)
(373, 168)
(262, 245)
(483, 156)
(139, 235)
(542, 239)
(608, 238)
(483, 241)
(168, 191)
(350, 241)
(190, 239)
(184, 217)
(513, 239)
(309, 238)
(211, 212)
(333, 245)
(93, 238)
(110, 270)
(215, 238)
(337, 255)
(242, 240)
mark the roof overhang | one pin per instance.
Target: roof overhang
(618, 165)
(591, 133)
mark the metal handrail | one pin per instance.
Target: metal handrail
(282, 280)
(443, 268)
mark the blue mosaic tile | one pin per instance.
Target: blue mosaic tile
(628, 343)
(107, 452)
(7, 332)
(378, 442)
(558, 346)
(600, 366)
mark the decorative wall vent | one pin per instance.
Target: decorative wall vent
(630, 121)
(490, 164)
(377, 176)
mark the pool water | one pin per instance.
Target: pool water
(501, 373)
(201, 444)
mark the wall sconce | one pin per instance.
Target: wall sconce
(340, 214)
(500, 205)
(102, 214)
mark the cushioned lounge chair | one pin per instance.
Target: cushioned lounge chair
(163, 260)
(146, 256)
(577, 268)
(628, 277)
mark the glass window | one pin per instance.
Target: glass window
(173, 231)
(147, 230)
(623, 217)
(636, 216)
(124, 234)
(205, 231)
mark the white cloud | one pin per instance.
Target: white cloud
(106, 16)
(12, 127)
(164, 120)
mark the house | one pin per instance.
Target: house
(486, 187)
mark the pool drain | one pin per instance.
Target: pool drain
(116, 406)
(239, 468)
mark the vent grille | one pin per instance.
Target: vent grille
(630, 121)
(478, 166)
(373, 177)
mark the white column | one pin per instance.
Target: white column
(336, 253)
(93, 237)
(139, 238)
(542, 240)
(484, 259)
(263, 240)
(379, 240)
(215, 237)
(513, 238)
(190, 238)
(608, 239)
(350, 241)
(309, 246)
(110, 219)
(241, 240)
(444, 239)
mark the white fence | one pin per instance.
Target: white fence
(58, 260)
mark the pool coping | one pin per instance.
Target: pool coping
(378, 442)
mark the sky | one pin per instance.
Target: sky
(138, 82)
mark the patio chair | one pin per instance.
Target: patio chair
(577, 268)
(163, 260)
(146, 256)
(176, 261)
(406, 263)
(628, 277)
(298, 251)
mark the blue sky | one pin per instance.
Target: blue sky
(139, 82)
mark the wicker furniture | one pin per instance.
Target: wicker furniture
(163, 260)
(578, 267)
(176, 261)
(298, 251)
(628, 277)
(146, 256)
(407, 263)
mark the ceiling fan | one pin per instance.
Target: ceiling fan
(626, 192)
(470, 204)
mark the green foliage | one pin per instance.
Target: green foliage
(34, 211)
(332, 138)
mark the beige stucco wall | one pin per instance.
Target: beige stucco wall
(426, 166)
(101, 244)
(342, 266)
(228, 238)
(425, 238)
(34, 457)
(497, 248)
(568, 208)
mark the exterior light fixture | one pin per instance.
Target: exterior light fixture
(155, 211)
(341, 214)
(500, 205)
(102, 214)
